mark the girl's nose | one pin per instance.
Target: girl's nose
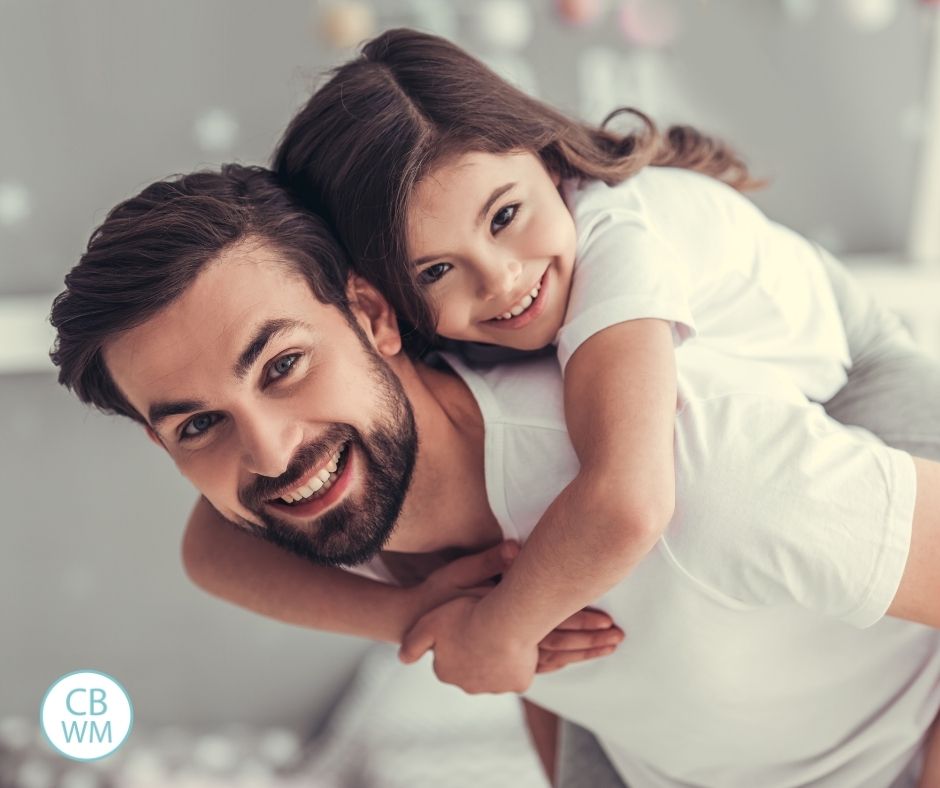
(498, 278)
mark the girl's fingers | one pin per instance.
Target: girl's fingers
(587, 619)
(471, 570)
(580, 640)
(553, 660)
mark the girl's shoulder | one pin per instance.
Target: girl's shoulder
(649, 185)
(654, 195)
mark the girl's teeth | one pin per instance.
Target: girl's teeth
(524, 304)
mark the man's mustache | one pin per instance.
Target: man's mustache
(317, 452)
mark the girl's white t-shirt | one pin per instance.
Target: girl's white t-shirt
(677, 245)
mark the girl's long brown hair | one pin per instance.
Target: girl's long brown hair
(384, 120)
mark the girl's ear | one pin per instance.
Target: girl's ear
(374, 314)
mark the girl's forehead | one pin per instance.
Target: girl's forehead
(468, 176)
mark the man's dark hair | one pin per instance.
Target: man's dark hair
(152, 247)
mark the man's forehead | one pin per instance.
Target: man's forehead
(218, 326)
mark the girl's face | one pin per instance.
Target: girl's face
(493, 243)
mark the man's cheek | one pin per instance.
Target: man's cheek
(221, 500)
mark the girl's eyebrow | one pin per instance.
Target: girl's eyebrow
(498, 192)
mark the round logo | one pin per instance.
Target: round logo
(86, 715)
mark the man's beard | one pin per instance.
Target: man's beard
(353, 530)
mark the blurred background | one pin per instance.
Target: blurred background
(837, 101)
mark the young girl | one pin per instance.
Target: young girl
(485, 216)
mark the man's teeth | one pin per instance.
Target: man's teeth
(319, 484)
(523, 305)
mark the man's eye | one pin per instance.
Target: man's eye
(503, 218)
(198, 425)
(433, 273)
(282, 366)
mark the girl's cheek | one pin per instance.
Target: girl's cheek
(553, 232)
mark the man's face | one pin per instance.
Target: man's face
(281, 413)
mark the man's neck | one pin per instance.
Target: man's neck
(446, 506)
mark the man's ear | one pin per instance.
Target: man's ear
(153, 436)
(374, 314)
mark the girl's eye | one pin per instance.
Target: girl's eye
(433, 273)
(503, 218)
(283, 366)
(198, 425)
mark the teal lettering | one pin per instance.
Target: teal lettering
(68, 703)
(106, 729)
(97, 699)
(68, 733)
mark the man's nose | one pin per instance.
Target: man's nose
(269, 444)
(498, 278)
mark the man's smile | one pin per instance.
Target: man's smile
(320, 488)
(316, 482)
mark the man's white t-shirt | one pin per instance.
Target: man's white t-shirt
(756, 650)
(677, 245)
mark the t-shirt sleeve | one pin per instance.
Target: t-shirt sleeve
(624, 270)
(779, 505)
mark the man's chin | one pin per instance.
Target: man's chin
(346, 535)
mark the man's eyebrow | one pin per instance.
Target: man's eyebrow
(264, 334)
(498, 192)
(160, 411)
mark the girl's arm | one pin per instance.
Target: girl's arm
(620, 404)
(239, 567)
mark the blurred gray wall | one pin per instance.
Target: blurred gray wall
(98, 98)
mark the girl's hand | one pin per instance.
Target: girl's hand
(472, 575)
(588, 634)
(466, 657)
(466, 654)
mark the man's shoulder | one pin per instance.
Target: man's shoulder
(527, 391)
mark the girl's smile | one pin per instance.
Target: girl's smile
(494, 244)
(526, 309)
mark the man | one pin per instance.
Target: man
(221, 318)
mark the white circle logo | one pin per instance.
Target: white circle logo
(86, 715)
